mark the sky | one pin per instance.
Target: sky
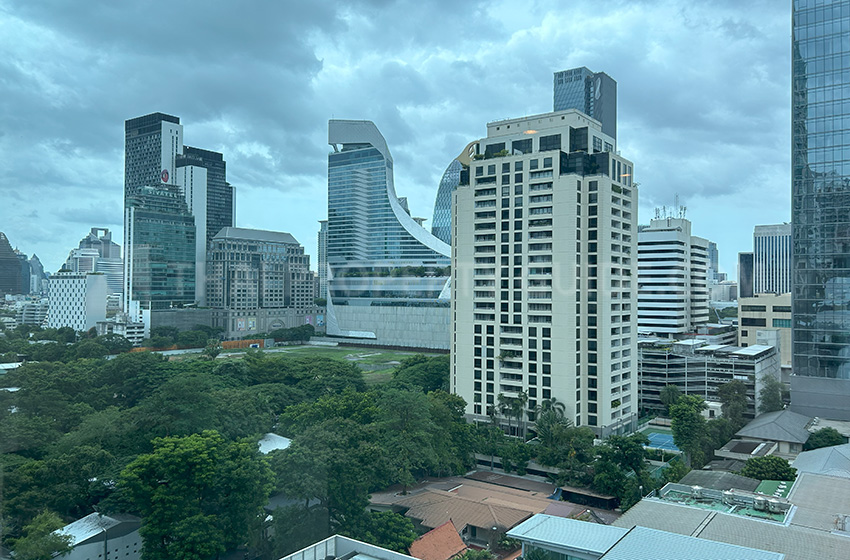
(703, 100)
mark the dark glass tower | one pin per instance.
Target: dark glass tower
(821, 208)
(592, 93)
(151, 144)
(219, 191)
(10, 268)
(160, 250)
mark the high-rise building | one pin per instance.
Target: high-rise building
(772, 259)
(151, 146)
(10, 268)
(323, 259)
(543, 264)
(77, 300)
(713, 272)
(746, 287)
(98, 253)
(192, 181)
(820, 214)
(36, 275)
(159, 271)
(220, 210)
(387, 274)
(672, 278)
(592, 93)
(24, 268)
(259, 281)
(455, 174)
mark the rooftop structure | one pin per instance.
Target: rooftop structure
(592, 93)
(440, 543)
(787, 428)
(832, 461)
(338, 547)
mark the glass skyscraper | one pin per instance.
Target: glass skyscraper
(592, 93)
(219, 203)
(821, 208)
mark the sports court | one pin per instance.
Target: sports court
(661, 441)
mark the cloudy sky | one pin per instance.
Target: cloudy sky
(704, 100)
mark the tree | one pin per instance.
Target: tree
(733, 396)
(389, 530)
(669, 396)
(212, 349)
(769, 467)
(688, 425)
(770, 395)
(825, 437)
(198, 495)
(40, 542)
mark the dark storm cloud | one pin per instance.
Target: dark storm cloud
(703, 98)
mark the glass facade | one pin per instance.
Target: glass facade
(144, 153)
(821, 189)
(592, 93)
(161, 248)
(219, 191)
(442, 222)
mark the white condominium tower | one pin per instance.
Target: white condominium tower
(672, 278)
(544, 300)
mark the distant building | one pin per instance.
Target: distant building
(10, 268)
(456, 173)
(713, 272)
(746, 287)
(322, 264)
(77, 300)
(32, 312)
(98, 253)
(592, 93)
(220, 210)
(259, 281)
(698, 368)
(672, 278)
(772, 259)
(37, 277)
(152, 144)
(387, 274)
(762, 313)
(160, 249)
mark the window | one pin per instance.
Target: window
(756, 308)
(782, 323)
(552, 142)
(597, 144)
(753, 322)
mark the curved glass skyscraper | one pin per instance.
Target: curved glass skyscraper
(821, 208)
(387, 274)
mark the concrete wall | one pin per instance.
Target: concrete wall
(410, 327)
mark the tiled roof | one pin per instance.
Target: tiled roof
(441, 543)
(434, 507)
(782, 425)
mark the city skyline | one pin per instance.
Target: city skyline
(62, 150)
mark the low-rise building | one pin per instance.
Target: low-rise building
(788, 429)
(698, 368)
(104, 537)
(762, 315)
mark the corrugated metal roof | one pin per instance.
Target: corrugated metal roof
(642, 543)
(94, 524)
(568, 533)
(833, 461)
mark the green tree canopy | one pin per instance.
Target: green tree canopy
(688, 425)
(825, 437)
(770, 394)
(39, 542)
(769, 467)
(733, 396)
(198, 495)
(669, 396)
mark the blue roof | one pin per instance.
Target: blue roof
(558, 532)
(642, 543)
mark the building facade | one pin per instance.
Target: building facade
(699, 368)
(387, 275)
(543, 299)
(746, 286)
(592, 93)
(220, 210)
(152, 144)
(820, 213)
(98, 253)
(322, 265)
(772, 259)
(258, 278)
(10, 268)
(77, 300)
(672, 278)
(159, 270)
(762, 313)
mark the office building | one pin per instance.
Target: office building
(192, 181)
(322, 265)
(672, 278)
(764, 318)
(259, 281)
(387, 274)
(98, 253)
(37, 277)
(455, 174)
(592, 93)
(32, 312)
(220, 210)
(159, 270)
(820, 215)
(713, 272)
(772, 259)
(746, 286)
(698, 368)
(151, 146)
(77, 300)
(543, 245)
(10, 268)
